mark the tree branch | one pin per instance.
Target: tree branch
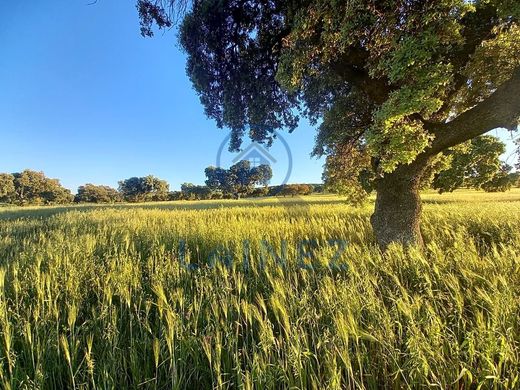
(350, 67)
(501, 109)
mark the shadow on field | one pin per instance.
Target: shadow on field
(428, 198)
(49, 211)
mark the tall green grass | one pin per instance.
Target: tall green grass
(225, 295)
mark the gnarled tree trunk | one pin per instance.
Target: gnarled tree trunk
(397, 213)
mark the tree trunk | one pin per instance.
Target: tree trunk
(397, 213)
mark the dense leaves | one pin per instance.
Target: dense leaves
(191, 191)
(233, 49)
(90, 193)
(31, 187)
(385, 79)
(140, 189)
(6, 187)
(472, 164)
(239, 179)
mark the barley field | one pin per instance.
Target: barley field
(287, 293)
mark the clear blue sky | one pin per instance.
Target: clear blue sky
(86, 99)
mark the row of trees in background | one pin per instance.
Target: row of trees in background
(31, 187)
(475, 164)
(135, 189)
(191, 191)
(34, 188)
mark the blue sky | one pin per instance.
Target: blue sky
(86, 99)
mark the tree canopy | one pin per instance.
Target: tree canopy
(387, 76)
(239, 179)
(393, 82)
(31, 187)
(90, 193)
(140, 189)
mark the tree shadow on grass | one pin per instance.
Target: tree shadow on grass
(49, 211)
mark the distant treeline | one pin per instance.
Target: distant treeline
(34, 188)
(196, 192)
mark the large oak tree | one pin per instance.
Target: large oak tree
(392, 83)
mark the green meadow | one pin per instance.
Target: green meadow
(273, 293)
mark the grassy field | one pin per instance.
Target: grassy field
(266, 293)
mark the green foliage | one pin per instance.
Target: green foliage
(7, 189)
(31, 187)
(386, 78)
(493, 62)
(193, 192)
(260, 191)
(347, 172)
(239, 179)
(291, 190)
(106, 298)
(502, 181)
(240, 92)
(90, 193)
(141, 189)
(476, 164)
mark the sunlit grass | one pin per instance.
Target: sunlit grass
(259, 294)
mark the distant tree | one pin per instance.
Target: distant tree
(156, 189)
(472, 164)
(132, 190)
(261, 175)
(194, 192)
(187, 191)
(275, 190)
(175, 195)
(319, 188)
(217, 195)
(90, 193)
(142, 189)
(290, 190)
(306, 189)
(31, 187)
(240, 179)
(7, 190)
(203, 192)
(260, 191)
(216, 178)
(55, 193)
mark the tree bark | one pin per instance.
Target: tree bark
(397, 213)
(398, 204)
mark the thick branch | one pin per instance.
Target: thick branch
(501, 109)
